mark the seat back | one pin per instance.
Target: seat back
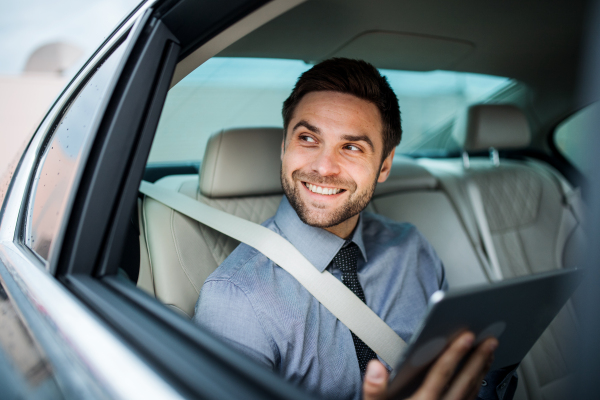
(239, 175)
(530, 225)
(412, 194)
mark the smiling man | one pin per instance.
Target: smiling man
(341, 125)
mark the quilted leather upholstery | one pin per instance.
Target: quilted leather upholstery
(511, 197)
(530, 229)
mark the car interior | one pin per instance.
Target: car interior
(480, 171)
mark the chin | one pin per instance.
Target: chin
(319, 219)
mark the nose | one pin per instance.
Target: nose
(326, 163)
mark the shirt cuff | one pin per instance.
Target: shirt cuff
(499, 384)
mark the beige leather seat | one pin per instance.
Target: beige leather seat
(239, 175)
(531, 226)
(412, 194)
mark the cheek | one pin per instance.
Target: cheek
(294, 158)
(363, 175)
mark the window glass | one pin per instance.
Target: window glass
(61, 158)
(249, 92)
(572, 134)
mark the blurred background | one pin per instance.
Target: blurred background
(42, 46)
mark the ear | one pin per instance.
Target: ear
(386, 167)
(282, 148)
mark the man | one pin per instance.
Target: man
(341, 126)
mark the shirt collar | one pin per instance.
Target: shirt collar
(316, 244)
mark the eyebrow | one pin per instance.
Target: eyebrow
(351, 138)
(308, 126)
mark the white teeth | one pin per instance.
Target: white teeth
(321, 190)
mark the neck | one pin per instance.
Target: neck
(344, 229)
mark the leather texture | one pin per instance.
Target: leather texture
(531, 231)
(406, 175)
(241, 162)
(492, 125)
(183, 252)
(434, 215)
(145, 278)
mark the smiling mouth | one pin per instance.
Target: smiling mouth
(322, 190)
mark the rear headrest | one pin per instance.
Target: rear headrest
(242, 162)
(493, 125)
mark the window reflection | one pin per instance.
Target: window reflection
(61, 161)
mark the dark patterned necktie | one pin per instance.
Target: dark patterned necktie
(345, 260)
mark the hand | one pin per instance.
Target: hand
(439, 383)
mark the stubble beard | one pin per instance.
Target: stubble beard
(352, 207)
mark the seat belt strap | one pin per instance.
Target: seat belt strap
(484, 230)
(325, 287)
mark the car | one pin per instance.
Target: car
(98, 281)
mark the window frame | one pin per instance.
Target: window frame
(126, 37)
(192, 361)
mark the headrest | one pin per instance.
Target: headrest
(493, 125)
(406, 175)
(242, 162)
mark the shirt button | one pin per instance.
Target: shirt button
(503, 385)
(483, 383)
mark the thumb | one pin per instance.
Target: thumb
(375, 383)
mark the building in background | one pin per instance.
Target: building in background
(26, 97)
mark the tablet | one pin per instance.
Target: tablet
(516, 311)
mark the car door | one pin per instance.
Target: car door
(66, 218)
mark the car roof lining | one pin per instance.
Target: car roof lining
(231, 34)
(536, 42)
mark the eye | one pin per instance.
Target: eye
(308, 139)
(352, 147)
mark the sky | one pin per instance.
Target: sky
(26, 25)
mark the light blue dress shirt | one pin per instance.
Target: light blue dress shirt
(264, 312)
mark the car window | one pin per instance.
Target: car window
(249, 92)
(61, 157)
(573, 133)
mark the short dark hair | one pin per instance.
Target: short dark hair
(355, 77)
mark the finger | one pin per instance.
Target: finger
(475, 390)
(443, 369)
(468, 382)
(375, 383)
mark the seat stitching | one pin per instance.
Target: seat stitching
(179, 256)
(145, 223)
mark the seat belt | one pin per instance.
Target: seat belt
(484, 230)
(325, 287)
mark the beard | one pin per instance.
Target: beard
(356, 202)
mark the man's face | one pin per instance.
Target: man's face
(331, 159)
